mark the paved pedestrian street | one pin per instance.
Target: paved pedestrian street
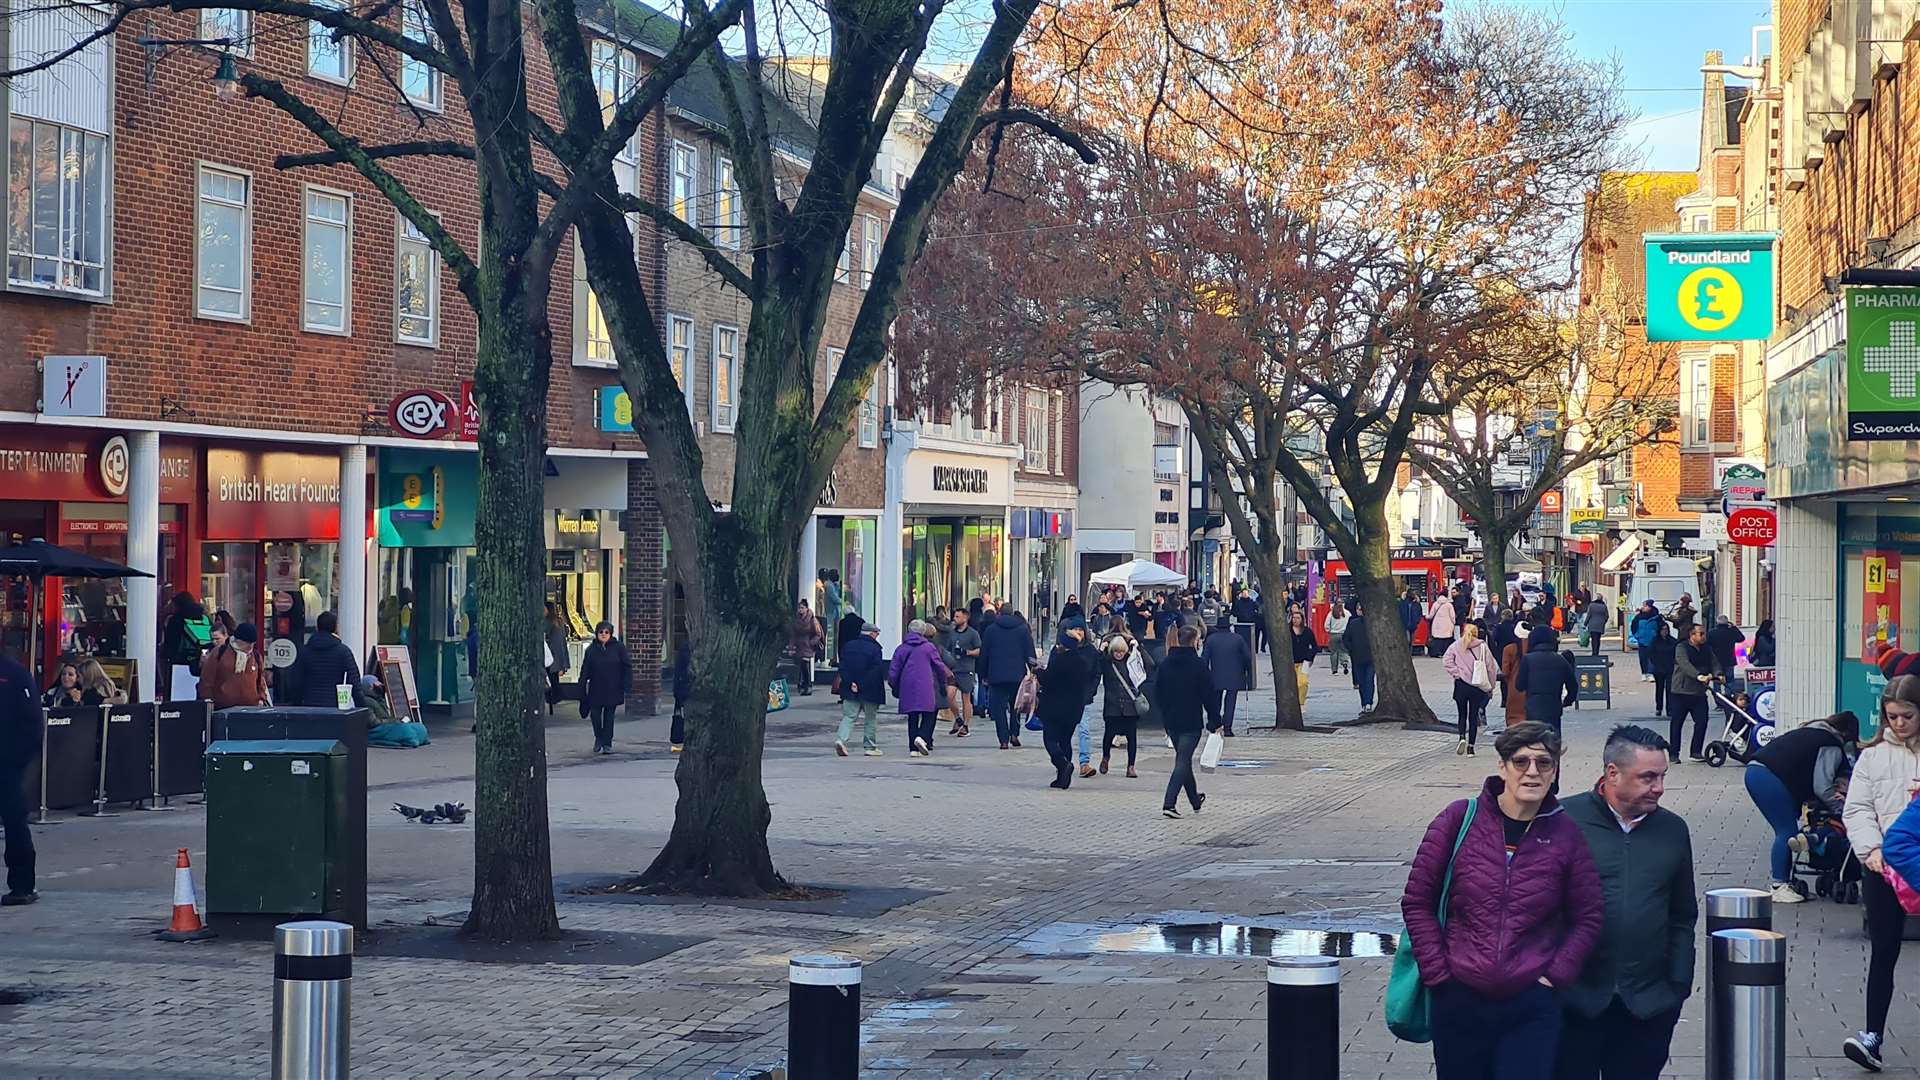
(1007, 929)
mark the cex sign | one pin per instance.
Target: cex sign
(1753, 526)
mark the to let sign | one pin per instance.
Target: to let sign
(1752, 526)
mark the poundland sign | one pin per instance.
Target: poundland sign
(1883, 363)
(1709, 286)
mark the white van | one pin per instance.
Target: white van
(1663, 579)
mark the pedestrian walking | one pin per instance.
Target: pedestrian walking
(1723, 641)
(606, 679)
(1230, 659)
(682, 693)
(233, 673)
(1471, 664)
(1808, 764)
(20, 740)
(1006, 651)
(1682, 616)
(1305, 648)
(1505, 633)
(1360, 655)
(919, 680)
(1618, 1016)
(804, 639)
(1687, 692)
(557, 658)
(1440, 625)
(863, 689)
(1523, 912)
(1063, 687)
(963, 643)
(1883, 785)
(1089, 654)
(1546, 678)
(849, 629)
(1184, 687)
(1410, 612)
(1336, 627)
(1123, 695)
(1596, 619)
(1641, 631)
(183, 641)
(1660, 660)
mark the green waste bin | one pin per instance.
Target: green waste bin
(277, 828)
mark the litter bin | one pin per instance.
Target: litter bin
(278, 831)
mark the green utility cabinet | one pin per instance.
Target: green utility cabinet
(277, 827)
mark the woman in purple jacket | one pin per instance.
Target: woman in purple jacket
(919, 681)
(1524, 910)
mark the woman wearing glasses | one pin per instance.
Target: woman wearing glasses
(1523, 910)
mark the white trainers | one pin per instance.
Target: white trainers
(839, 748)
(920, 747)
(1783, 893)
(874, 753)
(915, 753)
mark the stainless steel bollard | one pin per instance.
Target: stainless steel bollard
(1747, 995)
(1303, 1018)
(823, 1017)
(312, 998)
(1733, 909)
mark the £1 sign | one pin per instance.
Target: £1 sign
(1753, 526)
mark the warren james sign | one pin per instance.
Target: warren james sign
(1709, 286)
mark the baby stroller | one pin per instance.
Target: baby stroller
(1821, 852)
(1744, 734)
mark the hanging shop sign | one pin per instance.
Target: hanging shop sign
(427, 499)
(469, 412)
(1586, 522)
(1709, 286)
(423, 414)
(1883, 363)
(272, 495)
(73, 386)
(1753, 526)
(613, 412)
(1550, 502)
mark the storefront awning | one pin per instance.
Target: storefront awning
(1520, 562)
(1621, 556)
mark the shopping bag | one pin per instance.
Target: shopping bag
(1300, 680)
(1909, 898)
(1409, 1001)
(1210, 751)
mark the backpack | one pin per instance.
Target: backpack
(195, 635)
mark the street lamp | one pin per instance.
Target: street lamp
(226, 82)
(226, 79)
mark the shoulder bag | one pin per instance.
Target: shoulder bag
(1410, 1001)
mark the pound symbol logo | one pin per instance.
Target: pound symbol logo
(1710, 299)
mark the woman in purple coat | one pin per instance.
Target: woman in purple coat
(1524, 910)
(919, 681)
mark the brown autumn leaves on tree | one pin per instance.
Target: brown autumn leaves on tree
(1306, 224)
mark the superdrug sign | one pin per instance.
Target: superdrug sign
(957, 479)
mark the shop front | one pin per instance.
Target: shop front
(1040, 540)
(586, 547)
(423, 577)
(845, 570)
(271, 549)
(949, 522)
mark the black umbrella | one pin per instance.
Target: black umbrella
(38, 560)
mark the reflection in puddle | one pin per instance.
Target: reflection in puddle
(1211, 939)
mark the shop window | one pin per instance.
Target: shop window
(223, 258)
(325, 280)
(56, 201)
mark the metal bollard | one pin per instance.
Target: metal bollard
(823, 1017)
(1747, 1035)
(1303, 1018)
(312, 999)
(1733, 909)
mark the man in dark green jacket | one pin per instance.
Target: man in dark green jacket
(1620, 1013)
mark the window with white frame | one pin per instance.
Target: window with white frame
(726, 376)
(419, 80)
(869, 249)
(1038, 428)
(596, 342)
(835, 357)
(227, 24)
(57, 185)
(325, 284)
(328, 58)
(416, 287)
(221, 271)
(1057, 460)
(1697, 425)
(870, 410)
(685, 169)
(616, 72)
(680, 354)
(843, 269)
(726, 203)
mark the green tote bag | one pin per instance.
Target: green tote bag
(1409, 1001)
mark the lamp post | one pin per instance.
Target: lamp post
(226, 79)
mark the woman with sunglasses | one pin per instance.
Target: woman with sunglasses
(1523, 910)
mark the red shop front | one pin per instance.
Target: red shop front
(271, 552)
(69, 486)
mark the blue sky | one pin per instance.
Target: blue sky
(1660, 44)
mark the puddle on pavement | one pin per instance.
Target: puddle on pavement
(1244, 764)
(1214, 939)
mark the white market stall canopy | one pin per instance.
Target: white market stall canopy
(1139, 574)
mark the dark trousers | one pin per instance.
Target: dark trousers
(1182, 777)
(13, 818)
(1593, 641)
(920, 726)
(677, 733)
(1886, 923)
(1660, 684)
(1228, 700)
(1006, 726)
(602, 717)
(1120, 727)
(1482, 1038)
(1363, 681)
(1682, 706)
(1058, 738)
(1471, 701)
(1616, 1045)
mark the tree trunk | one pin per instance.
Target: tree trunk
(1288, 710)
(512, 857)
(1397, 688)
(1494, 543)
(719, 841)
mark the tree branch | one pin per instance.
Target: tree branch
(1039, 120)
(425, 148)
(718, 261)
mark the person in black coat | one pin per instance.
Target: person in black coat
(848, 630)
(863, 689)
(1066, 685)
(1721, 641)
(605, 680)
(1360, 656)
(19, 747)
(325, 664)
(1006, 650)
(682, 693)
(1546, 677)
(1184, 687)
(1660, 657)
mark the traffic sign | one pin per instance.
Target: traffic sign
(1753, 526)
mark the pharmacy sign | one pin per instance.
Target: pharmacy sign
(1709, 286)
(1883, 363)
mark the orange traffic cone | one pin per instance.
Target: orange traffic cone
(186, 915)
